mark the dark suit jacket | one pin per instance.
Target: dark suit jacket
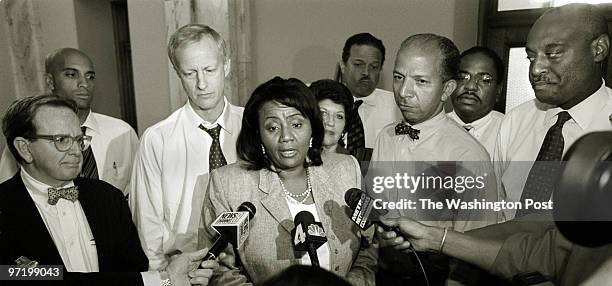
(23, 233)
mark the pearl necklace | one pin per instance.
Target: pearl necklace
(304, 194)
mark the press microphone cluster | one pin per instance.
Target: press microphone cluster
(308, 235)
(233, 228)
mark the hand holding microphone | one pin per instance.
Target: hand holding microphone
(233, 228)
(308, 235)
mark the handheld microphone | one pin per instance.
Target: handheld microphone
(308, 235)
(364, 212)
(233, 228)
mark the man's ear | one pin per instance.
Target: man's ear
(21, 144)
(600, 47)
(226, 66)
(49, 81)
(449, 87)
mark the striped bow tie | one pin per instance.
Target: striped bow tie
(69, 193)
(405, 129)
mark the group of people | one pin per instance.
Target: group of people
(113, 209)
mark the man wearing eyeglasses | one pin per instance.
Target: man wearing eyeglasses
(69, 73)
(51, 216)
(481, 72)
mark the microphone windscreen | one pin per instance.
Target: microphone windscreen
(247, 207)
(304, 217)
(352, 197)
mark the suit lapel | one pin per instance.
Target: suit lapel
(274, 199)
(34, 240)
(92, 211)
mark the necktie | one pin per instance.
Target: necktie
(215, 157)
(90, 168)
(405, 129)
(356, 137)
(69, 193)
(543, 175)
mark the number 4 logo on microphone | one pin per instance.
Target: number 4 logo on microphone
(300, 235)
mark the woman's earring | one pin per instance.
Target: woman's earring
(263, 150)
(310, 142)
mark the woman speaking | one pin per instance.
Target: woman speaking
(282, 172)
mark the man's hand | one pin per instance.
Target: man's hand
(420, 236)
(183, 268)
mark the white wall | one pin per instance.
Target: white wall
(304, 38)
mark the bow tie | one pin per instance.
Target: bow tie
(405, 129)
(69, 193)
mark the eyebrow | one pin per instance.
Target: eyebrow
(76, 70)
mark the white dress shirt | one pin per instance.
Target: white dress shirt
(113, 143)
(67, 225)
(440, 140)
(484, 129)
(377, 111)
(323, 251)
(524, 128)
(173, 156)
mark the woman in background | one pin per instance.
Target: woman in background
(335, 102)
(282, 172)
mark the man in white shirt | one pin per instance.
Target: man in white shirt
(426, 139)
(363, 57)
(567, 48)
(176, 154)
(479, 85)
(70, 74)
(51, 216)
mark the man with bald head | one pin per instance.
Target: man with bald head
(70, 74)
(567, 48)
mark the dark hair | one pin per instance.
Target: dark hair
(336, 92)
(304, 275)
(363, 39)
(19, 118)
(449, 63)
(290, 92)
(499, 64)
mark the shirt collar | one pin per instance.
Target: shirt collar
(476, 124)
(429, 126)
(223, 120)
(367, 100)
(582, 113)
(37, 187)
(91, 122)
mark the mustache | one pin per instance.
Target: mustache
(542, 78)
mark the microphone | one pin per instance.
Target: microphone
(308, 235)
(364, 212)
(233, 228)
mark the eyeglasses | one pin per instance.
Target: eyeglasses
(482, 79)
(63, 142)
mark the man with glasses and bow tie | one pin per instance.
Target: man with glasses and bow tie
(426, 139)
(51, 216)
(479, 85)
(176, 155)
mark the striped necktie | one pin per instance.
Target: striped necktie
(356, 137)
(215, 157)
(545, 171)
(90, 168)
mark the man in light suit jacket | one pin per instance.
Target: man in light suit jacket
(50, 215)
